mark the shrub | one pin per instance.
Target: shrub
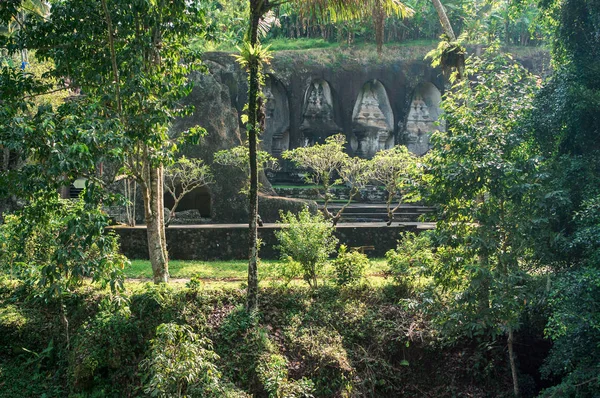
(307, 239)
(54, 244)
(180, 361)
(349, 266)
(108, 346)
(241, 342)
(323, 358)
(272, 371)
(412, 257)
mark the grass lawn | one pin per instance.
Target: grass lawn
(234, 270)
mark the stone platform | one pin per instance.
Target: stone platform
(230, 241)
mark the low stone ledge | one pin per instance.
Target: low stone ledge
(230, 241)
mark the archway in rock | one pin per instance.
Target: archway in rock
(423, 117)
(276, 137)
(194, 205)
(372, 121)
(318, 113)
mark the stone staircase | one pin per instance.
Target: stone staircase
(377, 212)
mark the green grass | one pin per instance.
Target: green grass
(187, 269)
(283, 44)
(299, 44)
(221, 271)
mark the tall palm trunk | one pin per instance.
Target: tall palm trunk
(253, 110)
(444, 19)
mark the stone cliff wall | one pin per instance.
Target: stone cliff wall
(377, 102)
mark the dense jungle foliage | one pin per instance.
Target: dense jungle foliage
(513, 22)
(501, 299)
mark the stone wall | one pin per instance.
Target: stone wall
(231, 242)
(369, 194)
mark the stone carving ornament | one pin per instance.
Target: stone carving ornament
(422, 118)
(276, 135)
(372, 120)
(318, 121)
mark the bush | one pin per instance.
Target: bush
(241, 334)
(412, 257)
(180, 361)
(105, 347)
(272, 371)
(54, 244)
(349, 266)
(323, 358)
(308, 240)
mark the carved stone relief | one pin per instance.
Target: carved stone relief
(422, 118)
(318, 119)
(372, 121)
(276, 137)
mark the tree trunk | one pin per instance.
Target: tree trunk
(513, 366)
(253, 110)
(444, 19)
(155, 227)
(483, 294)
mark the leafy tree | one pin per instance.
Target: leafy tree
(565, 127)
(397, 170)
(227, 23)
(21, 13)
(239, 157)
(329, 166)
(132, 59)
(481, 172)
(182, 177)
(50, 243)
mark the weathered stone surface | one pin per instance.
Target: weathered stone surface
(215, 109)
(318, 113)
(269, 206)
(186, 217)
(231, 242)
(423, 118)
(276, 137)
(370, 194)
(310, 95)
(372, 121)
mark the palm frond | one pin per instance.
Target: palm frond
(337, 10)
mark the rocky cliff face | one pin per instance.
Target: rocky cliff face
(214, 99)
(377, 102)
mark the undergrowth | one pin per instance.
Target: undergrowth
(331, 341)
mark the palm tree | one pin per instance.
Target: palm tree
(27, 9)
(441, 11)
(253, 59)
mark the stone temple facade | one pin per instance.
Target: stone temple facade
(375, 105)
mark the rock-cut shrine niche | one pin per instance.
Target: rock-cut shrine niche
(318, 117)
(276, 137)
(422, 118)
(372, 121)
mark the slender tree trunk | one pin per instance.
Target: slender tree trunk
(161, 213)
(155, 227)
(253, 110)
(444, 19)
(513, 366)
(5, 158)
(483, 295)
